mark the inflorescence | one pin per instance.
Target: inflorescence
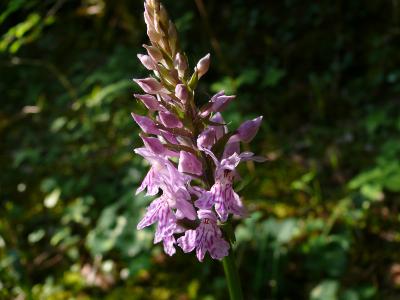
(192, 155)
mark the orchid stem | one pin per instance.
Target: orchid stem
(232, 276)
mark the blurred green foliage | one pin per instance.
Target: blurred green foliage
(324, 211)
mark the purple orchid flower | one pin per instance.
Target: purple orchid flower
(206, 237)
(161, 172)
(221, 195)
(168, 243)
(212, 133)
(217, 103)
(159, 211)
(178, 136)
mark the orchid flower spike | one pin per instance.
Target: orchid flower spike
(193, 158)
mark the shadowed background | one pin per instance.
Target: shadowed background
(324, 210)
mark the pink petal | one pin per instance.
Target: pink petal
(220, 130)
(203, 65)
(231, 148)
(185, 209)
(205, 201)
(154, 53)
(207, 138)
(219, 249)
(220, 101)
(150, 85)
(150, 102)
(189, 163)
(146, 124)
(147, 62)
(150, 183)
(166, 223)
(181, 92)
(153, 144)
(188, 241)
(168, 243)
(169, 120)
(201, 252)
(248, 130)
(180, 64)
(151, 215)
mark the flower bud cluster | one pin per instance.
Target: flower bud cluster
(192, 155)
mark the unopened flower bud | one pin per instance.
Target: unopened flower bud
(248, 129)
(163, 16)
(150, 85)
(146, 124)
(163, 44)
(169, 137)
(153, 144)
(150, 102)
(181, 92)
(147, 62)
(156, 6)
(169, 120)
(220, 130)
(180, 64)
(150, 3)
(173, 77)
(148, 19)
(154, 53)
(218, 103)
(172, 38)
(154, 36)
(156, 20)
(203, 65)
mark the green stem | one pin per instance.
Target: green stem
(232, 277)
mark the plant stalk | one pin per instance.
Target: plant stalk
(232, 277)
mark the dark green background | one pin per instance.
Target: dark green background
(324, 210)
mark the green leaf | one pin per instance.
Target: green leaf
(326, 290)
(51, 200)
(12, 6)
(273, 77)
(372, 192)
(36, 236)
(392, 182)
(192, 83)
